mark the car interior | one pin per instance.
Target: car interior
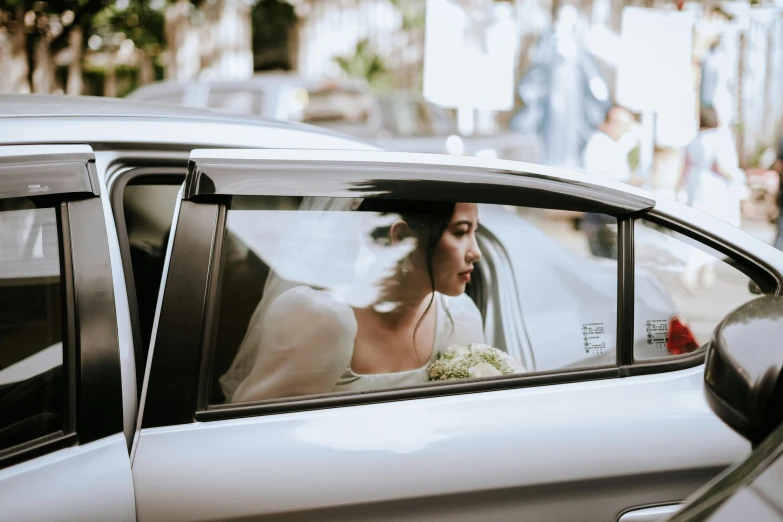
(148, 211)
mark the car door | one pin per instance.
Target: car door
(589, 442)
(63, 453)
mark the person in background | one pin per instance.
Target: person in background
(778, 167)
(606, 154)
(709, 171)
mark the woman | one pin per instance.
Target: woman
(709, 171)
(709, 167)
(310, 341)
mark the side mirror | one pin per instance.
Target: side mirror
(743, 377)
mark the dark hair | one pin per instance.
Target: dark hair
(427, 220)
(708, 118)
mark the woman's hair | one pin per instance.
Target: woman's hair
(708, 118)
(426, 220)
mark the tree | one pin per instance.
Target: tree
(365, 63)
(39, 29)
(272, 22)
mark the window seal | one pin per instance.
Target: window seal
(211, 307)
(70, 347)
(37, 448)
(625, 292)
(332, 400)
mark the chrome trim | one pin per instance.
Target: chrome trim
(651, 514)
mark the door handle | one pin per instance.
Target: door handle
(651, 514)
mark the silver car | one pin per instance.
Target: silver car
(126, 293)
(396, 120)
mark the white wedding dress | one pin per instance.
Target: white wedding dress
(302, 344)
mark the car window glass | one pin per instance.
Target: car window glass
(326, 295)
(32, 384)
(236, 101)
(683, 275)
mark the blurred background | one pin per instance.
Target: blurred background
(529, 80)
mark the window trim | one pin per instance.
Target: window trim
(54, 169)
(208, 179)
(66, 436)
(91, 359)
(167, 174)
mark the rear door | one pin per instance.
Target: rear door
(563, 441)
(63, 454)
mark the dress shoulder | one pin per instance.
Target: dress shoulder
(306, 343)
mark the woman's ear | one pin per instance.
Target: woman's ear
(399, 231)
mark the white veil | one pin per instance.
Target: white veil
(322, 245)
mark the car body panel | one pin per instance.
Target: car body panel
(439, 448)
(82, 483)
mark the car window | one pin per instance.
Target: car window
(32, 384)
(336, 106)
(341, 295)
(240, 101)
(696, 281)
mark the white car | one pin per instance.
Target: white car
(126, 290)
(397, 120)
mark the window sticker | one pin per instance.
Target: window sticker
(657, 333)
(593, 335)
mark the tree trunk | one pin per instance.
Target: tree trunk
(182, 57)
(110, 81)
(75, 84)
(18, 71)
(43, 73)
(146, 70)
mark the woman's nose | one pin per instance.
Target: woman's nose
(474, 253)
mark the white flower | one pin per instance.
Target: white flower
(473, 361)
(458, 350)
(484, 369)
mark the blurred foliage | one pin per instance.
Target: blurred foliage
(634, 157)
(139, 22)
(366, 64)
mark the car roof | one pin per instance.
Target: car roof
(34, 118)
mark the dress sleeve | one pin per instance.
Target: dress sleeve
(306, 345)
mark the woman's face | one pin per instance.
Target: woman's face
(457, 251)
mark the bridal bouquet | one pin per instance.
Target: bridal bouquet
(475, 360)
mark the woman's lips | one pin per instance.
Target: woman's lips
(465, 276)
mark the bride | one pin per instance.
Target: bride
(305, 340)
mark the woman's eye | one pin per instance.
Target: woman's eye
(461, 232)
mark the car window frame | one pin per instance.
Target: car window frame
(210, 185)
(91, 358)
(170, 173)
